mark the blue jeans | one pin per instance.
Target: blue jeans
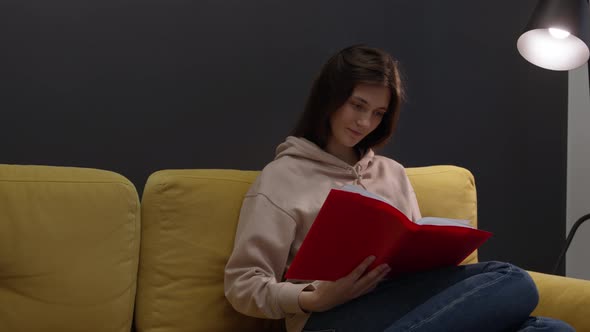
(483, 297)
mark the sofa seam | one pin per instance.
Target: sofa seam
(212, 178)
(135, 220)
(435, 172)
(67, 181)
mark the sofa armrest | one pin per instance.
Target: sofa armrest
(563, 298)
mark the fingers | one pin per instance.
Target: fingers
(353, 285)
(359, 284)
(368, 291)
(359, 270)
(370, 281)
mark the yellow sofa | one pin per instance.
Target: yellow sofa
(69, 249)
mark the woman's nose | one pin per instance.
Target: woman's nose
(362, 121)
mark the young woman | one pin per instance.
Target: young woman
(353, 108)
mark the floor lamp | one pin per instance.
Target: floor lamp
(557, 37)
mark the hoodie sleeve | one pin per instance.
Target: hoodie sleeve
(255, 268)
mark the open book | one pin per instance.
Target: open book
(353, 224)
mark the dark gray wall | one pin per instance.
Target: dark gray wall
(138, 86)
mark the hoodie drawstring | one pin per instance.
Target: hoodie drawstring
(357, 173)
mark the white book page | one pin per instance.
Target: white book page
(436, 221)
(443, 222)
(359, 190)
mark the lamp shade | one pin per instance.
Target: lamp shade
(557, 36)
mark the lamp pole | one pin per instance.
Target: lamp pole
(557, 37)
(568, 241)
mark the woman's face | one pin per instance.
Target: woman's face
(359, 115)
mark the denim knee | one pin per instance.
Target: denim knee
(526, 290)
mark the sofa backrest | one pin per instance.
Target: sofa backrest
(69, 249)
(189, 218)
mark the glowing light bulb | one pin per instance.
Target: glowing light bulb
(559, 33)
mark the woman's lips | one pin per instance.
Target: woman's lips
(355, 133)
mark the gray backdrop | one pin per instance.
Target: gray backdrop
(578, 177)
(138, 86)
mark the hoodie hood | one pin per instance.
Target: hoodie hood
(299, 147)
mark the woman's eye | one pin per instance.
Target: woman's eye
(380, 114)
(357, 107)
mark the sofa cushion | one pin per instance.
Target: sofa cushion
(189, 218)
(447, 192)
(69, 249)
(188, 226)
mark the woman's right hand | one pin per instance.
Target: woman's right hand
(328, 294)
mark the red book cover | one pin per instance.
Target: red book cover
(350, 227)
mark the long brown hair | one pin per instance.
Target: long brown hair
(334, 85)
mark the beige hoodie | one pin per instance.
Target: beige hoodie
(277, 213)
